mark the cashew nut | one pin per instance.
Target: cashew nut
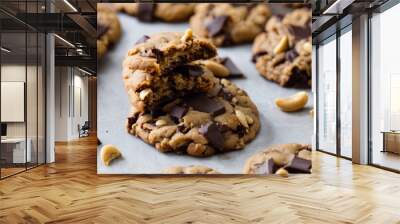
(282, 45)
(292, 103)
(282, 172)
(109, 153)
(216, 68)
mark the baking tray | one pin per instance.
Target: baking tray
(140, 158)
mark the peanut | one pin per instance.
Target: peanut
(145, 93)
(216, 68)
(282, 45)
(188, 35)
(242, 118)
(282, 172)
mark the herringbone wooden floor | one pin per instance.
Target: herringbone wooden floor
(69, 191)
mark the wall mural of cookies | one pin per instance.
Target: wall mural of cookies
(204, 88)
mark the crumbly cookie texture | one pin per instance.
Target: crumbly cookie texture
(190, 170)
(147, 91)
(229, 24)
(160, 53)
(294, 158)
(167, 12)
(108, 28)
(283, 52)
(200, 125)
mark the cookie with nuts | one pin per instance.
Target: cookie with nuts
(190, 170)
(229, 24)
(159, 54)
(200, 124)
(108, 28)
(280, 159)
(151, 12)
(283, 52)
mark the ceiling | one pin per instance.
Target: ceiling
(23, 23)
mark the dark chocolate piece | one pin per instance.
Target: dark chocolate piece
(257, 55)
(101, 30)
(299, 165)
(146, 12)
(192, 70)
(300, 32)
(234, 71)
(298, 79)
(216, 26)
(178, 112)
(227, 95)
(203, 103)
(213, 135)
(143, 39)
(291, 55)
(222, 127)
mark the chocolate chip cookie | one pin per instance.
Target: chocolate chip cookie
(160, 53)
(190, 170)
(147, 91)
(294, 158)
(283, 52)
(229, 24)
(160, 68)
(200, 124)
(150, 12)
(108, 28)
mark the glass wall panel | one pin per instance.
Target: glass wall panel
(346, 92)
(31, 98)
(385, 89)
(327, 95)
(13, 110)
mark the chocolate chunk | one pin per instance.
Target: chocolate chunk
(227, 95)
(131, 120)
(156, 112)
(271, 167)
(257, 55)
(192, 70)
(241, 130)
(101, 30)
(146, 12)
(299, 165)
(280, 16)
(291, 55)
(216, 26)
(234, 71)
(300, 32)
(203, 103)
(143, 39)
(298, 79)
(213, 135)
(222, 127)
(178, 112)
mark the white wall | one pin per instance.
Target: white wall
(71, 102)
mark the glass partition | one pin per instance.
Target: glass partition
(346, 92)
(327, 95)
(22, 77)
(385, 89)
